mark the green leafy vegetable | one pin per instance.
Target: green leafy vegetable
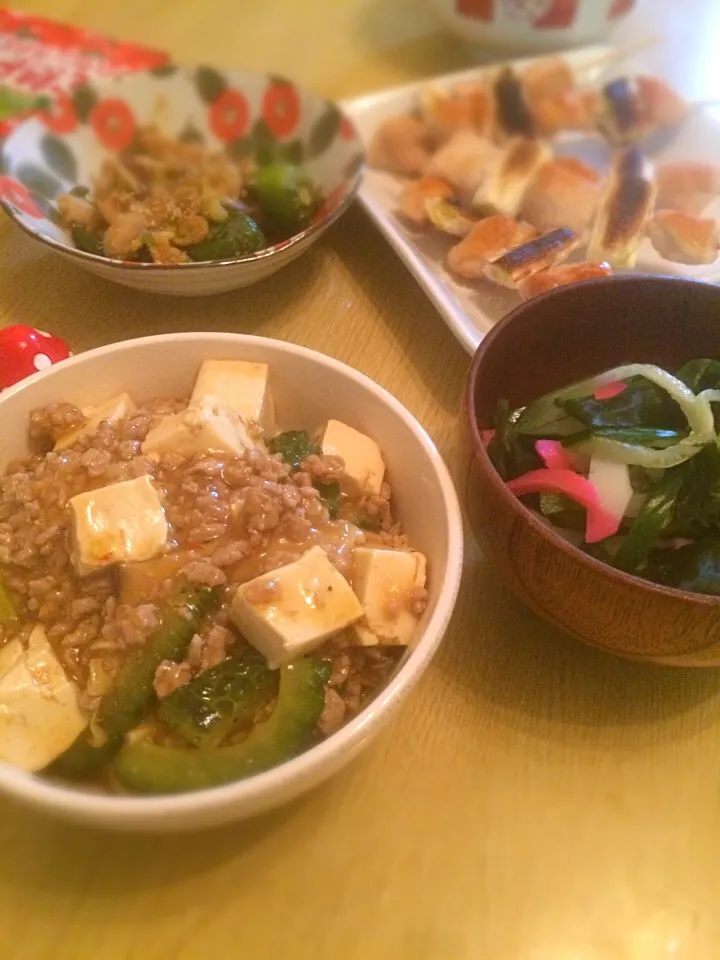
(652, 437)
(294, 446)
(656, 514)
(694, 567)
(698, 502)
(701, 374)
(205, 710)
(330, 496)
(511, 454)
(87, 241)
(238, 236)
(563, 511)
(371, 524)
(642, 404)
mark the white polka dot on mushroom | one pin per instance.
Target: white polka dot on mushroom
(41, 361)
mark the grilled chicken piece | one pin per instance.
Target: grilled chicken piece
(448, 217)
(564, 193)
(561, 276)
(513, 115)
(463, 162)
(687, 185)
(400, 146)
(508, 179)
(413, 197)
(624, 210)
(547, 77)
(469, 106)
(487, 240)
(631, 108)
(538, 254)
(659, 105)
(574, 110)
(683, 237)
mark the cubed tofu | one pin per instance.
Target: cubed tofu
(39, 711)
(293, 609)
(111, 410)
(364, 466)
(239, 386)
(206, 429)
(121, 523)
(382, 580)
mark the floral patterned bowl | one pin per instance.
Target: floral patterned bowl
(245, 114)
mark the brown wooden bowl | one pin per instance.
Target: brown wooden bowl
(545, 344)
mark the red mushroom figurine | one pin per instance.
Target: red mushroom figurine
(24, 350)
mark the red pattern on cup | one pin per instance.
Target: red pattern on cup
(560, 15)
(477, 9)
(18, 196)
(347, 130)
(620, 8)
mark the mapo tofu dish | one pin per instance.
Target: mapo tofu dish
(189, 596)
(169, 201)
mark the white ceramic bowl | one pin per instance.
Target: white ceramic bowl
(308, 388)
(527, 25)
(244, 114)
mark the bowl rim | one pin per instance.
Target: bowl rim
(353, 186)
(137, 811)
(523, 313)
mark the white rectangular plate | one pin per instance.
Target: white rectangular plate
(471, 308)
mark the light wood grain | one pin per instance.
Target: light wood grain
(536, 800)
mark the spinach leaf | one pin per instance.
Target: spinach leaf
(698, 504)
(330, 496)
(642, 436)
(642, 404)
(87, 241)
(371, 524)
(656, 514)
(511, 454)
(700, 375)
(695, 567)
(294, 446)
(545, 420)
(563, 511)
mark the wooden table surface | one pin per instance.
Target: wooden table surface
(535, 800)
